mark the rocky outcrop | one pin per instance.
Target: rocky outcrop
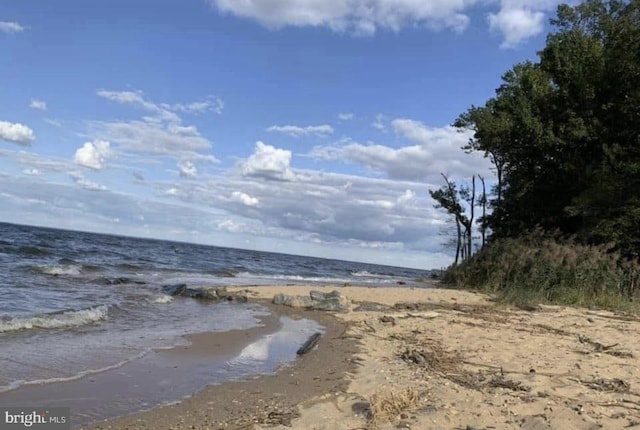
(317, 300)
(204, 293)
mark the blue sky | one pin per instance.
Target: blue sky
(310, 127)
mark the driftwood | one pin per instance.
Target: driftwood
(309, 344)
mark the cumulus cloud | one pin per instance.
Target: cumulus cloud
(245, 199)
(434, 151)
(10, 27)
(93, 154)
(16, 133)
(296, 131)
(38, 104)
(347, 116)
(268, 162)
(519, 20)
(516, 20)
(356, 16)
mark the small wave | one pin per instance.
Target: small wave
(60, 269)
(161, 299)
(17, 384)
(362, 273)
(56, 320)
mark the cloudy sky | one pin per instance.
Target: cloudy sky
(310, 127)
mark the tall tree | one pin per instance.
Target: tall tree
(447, 198)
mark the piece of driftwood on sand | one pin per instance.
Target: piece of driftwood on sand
(309, 344)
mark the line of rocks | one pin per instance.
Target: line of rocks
(204, 293)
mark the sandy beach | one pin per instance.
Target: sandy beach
(427, 358)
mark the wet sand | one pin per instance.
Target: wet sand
(267, 399)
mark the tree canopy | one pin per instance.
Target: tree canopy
(563, 133)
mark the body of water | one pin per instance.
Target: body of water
(76, 304)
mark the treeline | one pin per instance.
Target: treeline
(563, 134)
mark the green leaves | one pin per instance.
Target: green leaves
(564, 132)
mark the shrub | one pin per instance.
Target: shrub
(542, 268)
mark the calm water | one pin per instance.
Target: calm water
(73, 304)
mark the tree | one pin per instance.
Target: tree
(563, 133)
(483, 219)
(469, 195)
(450, 198)
(447, 198)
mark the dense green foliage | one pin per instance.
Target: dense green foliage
(564, 132)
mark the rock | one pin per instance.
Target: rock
(317, 300)
(293, 301)
(319, 295)
(333, 301)
(174, 290)
(204, 293)
(238, 298)
(213, 293)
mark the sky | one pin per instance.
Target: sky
(310, 127)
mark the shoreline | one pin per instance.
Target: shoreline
(429, 358)
(266, 399)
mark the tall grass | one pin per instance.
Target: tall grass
(539, 268)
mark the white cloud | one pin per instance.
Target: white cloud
(209, 104)
(93, 154)
(10, 27)
(164, 111)
(378, 124)
(405, 198)
(347, 116)
(85, 183)
(160, 133)
(38, 104)
(16, 133)
(435, 151)
(363, 17)
(31, 171)
(187, 169)
(519, 20)
(516, 20)
(269, 162)
(153, 138)
(245, 199)
(296, 131)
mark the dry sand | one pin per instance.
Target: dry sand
(448, 359)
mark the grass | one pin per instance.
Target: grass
(538, 268)
(386, 406)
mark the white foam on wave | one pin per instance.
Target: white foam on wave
(60, 320)
(61, 269)
(161, 299)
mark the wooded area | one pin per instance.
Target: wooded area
(563, 135)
